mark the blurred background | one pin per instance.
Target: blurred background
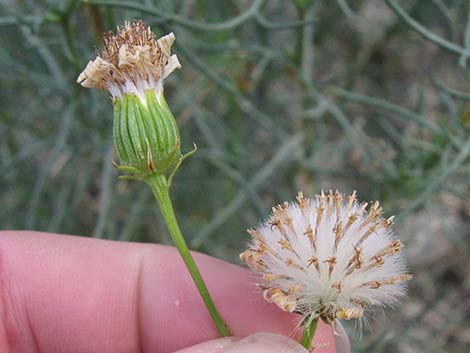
(279, 96)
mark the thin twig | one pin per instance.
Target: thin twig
(424, 32)
(105, 197)
(436, 182)
(230, 24)
(284, 155)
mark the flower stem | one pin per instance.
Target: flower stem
(310, 327)
(161, 190)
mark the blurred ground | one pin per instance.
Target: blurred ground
(280, 96)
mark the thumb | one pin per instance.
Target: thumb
(257, 343)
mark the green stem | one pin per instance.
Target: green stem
(160, 189)
(309, 332)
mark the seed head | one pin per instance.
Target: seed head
(329, 257)
(132, 61)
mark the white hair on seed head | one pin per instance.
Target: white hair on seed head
(328, 257)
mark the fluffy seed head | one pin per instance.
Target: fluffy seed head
(132, 62)
(330, 257)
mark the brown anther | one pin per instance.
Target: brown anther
(388, 281)
(304, 203)
(259, 265)
(351, 219)
(338, 231)
(320, 210)
(374, 212)
(389, 221)
(309, 233)
(277, 223)
(291, 263)
(280, 209)
(295, 289)
(262, 248)
(373, 284)
(376, 209)
(260, 242)
(252, 259)
(270, 292)
(313, 261)
(269, 277)
(355, 312)
(390, 249)
(290, 225)
(369, 231)
(247, 253)
(285, 245)
(282, 217)
(406, 277)
(355, 263)
(396, 279)
(357, 256)
(338, 286)
(256, 235)
(351, 199)
(396, 245)
(331, 198)
(378, 261)
(287, 304)
(332, 262)
(362, 207)
(274, 223)
(339, 200)
(280, 298)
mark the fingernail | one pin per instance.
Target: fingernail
(342, 340)
(265, 343)
(214, 346)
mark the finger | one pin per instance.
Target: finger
(213, 346)
(257, 343)
(261, 342)
(73, 294)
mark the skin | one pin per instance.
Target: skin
(72, 294)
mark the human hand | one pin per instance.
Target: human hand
(72, 294)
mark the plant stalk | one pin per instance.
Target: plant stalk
(310, 327)
(161, 191)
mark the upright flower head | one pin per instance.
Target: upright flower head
(327, 257)
(132, 68)
(132, 62)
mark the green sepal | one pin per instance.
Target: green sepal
(146, 136)
(178, 164)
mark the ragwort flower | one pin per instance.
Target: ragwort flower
(132, 68)
(328, 257)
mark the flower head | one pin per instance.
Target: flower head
(329, 257)
(132, 68)
(132, 61)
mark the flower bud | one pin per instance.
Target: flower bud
(132, 68)
(146, 136)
